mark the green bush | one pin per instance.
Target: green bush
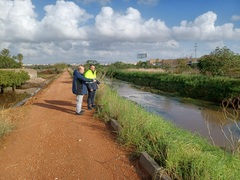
(12, 79)
(220, 62)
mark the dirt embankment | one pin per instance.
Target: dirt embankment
(51, 142)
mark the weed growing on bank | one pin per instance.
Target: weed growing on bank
(6, 126)
(182, 154)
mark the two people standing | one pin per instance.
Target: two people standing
(79, 87)
(82, 85)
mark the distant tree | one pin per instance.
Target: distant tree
(182, 66)
(141, 64)
(119, 65)
(20, 59)
(7, 62)
(5, 53)
(59, 67)
(167, 68)
(94, 62)
(219, 62)
(112, 68)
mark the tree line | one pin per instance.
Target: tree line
(220, 62)
(9, 61)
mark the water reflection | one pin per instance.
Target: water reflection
(210, 123)
(8, 99)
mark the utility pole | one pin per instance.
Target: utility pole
(195, 52)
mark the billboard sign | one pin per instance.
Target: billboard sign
(142, 55)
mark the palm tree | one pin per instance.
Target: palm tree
(20, 58)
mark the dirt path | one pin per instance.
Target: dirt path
(51, 142)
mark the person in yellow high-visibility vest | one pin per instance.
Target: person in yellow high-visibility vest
(92, 86)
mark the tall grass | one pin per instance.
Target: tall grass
(6, 126)
(183, 155)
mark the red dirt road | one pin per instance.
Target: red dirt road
(51, 142)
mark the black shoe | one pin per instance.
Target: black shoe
(89, 108)
(79, 113)
(82, 111)
(93, 105)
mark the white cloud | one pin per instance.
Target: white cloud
(203, 28)
(62, 21)
(17, 20)
(130, 26)
(235, 18)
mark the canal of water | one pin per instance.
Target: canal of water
(209, 122)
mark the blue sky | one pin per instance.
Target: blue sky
(170, 11)
(50, 31)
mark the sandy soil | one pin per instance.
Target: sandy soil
(51, 142)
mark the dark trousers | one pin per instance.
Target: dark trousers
(90, 98)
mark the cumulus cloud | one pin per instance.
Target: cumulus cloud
(17, 20)
(62, 21)
(203, 28)
(130, 26)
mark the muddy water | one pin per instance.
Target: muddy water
(209, 122)
(9, 99)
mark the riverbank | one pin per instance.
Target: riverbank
(182, 155)
(197, 117)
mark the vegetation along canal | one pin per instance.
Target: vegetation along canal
(210, 123)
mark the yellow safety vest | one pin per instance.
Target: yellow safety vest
(90, 75)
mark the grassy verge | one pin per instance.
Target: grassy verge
(183, 155)
(6, 126)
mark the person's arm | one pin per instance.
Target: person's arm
(82, 78)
